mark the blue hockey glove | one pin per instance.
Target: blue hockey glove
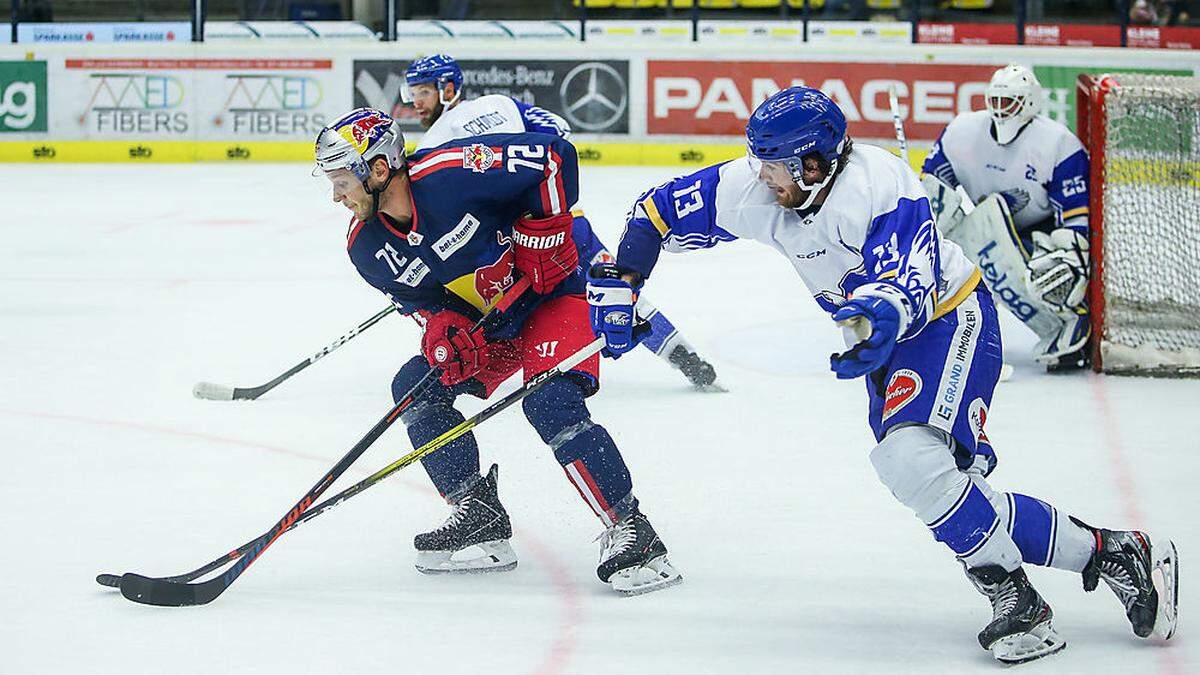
(612, 299)
(877, 323)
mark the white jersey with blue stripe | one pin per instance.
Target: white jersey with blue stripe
(874, 226)
(1042, 173)
(491, 114)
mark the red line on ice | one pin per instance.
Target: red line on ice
(561, 648)
(1126, 488)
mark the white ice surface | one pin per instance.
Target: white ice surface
(122, 286)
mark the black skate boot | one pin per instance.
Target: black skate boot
(1070, 363)
(698, 371)
(1020, 629)
(475, 536)
(633, 559)
(1145, 583)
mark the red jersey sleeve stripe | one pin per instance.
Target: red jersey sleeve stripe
(441, 159)
(553, 194)
(355, 226)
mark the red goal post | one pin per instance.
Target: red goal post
(1142, 134)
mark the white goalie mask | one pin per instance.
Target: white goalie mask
(1014, 98)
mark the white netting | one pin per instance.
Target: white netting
(1151, 224)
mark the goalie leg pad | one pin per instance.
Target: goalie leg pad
(988, 237)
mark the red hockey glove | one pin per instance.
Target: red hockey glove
(449, 344)
(544, 250)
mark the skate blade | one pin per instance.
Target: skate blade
(655, 575)
(489, 556)
(1165, 576)
(1041, 640)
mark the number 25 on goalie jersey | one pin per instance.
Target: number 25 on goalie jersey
(467, 193)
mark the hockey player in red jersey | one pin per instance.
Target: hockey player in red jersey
(444, 238)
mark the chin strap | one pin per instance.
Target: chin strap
(813, 190)
(375, 193)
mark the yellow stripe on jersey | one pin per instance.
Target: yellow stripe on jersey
(890, 274)
(655, 218)
(1081, 211)
(955, 300)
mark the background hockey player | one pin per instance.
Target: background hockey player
(433, 85)
(856, 225)
(1028, 176)
(444, 238)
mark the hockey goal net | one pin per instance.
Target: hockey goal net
(1142, 133)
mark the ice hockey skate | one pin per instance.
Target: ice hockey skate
(474, 538)
(1020, 629)
(633, 559)
(1144, 577)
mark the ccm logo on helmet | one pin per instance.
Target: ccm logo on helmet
(539, 243)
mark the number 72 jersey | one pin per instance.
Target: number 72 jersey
(467, 193)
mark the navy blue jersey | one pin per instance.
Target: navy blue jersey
(457, 253)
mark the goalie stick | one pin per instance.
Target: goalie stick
(897, 123)
(158, 591)
(220, 392)
(450, 435)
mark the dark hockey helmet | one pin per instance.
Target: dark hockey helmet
(438, 70)
(792, 124)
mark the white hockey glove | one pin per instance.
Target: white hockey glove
(1058, 270)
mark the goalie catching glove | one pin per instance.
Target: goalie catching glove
(544, 251)
(1058, 270)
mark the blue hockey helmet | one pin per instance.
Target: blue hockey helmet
(437, 69)
(792, 124)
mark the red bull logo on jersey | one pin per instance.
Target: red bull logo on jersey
(902, 389)
(478, 157)
(492, 280)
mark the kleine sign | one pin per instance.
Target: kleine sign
(1072, 35)
(1170, 37)
(717, 97)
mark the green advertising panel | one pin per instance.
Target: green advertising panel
(22, 96)
(1059, 84)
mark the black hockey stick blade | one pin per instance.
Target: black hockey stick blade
(110, 580)
(163, 593)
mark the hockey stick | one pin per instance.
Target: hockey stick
(221, 392)
(152, 591)
(897, 123)
(449, 436)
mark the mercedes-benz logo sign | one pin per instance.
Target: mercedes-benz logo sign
(593, 96)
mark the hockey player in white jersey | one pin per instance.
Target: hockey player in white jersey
(855, 223)
(433, 85)
(1027, 176)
